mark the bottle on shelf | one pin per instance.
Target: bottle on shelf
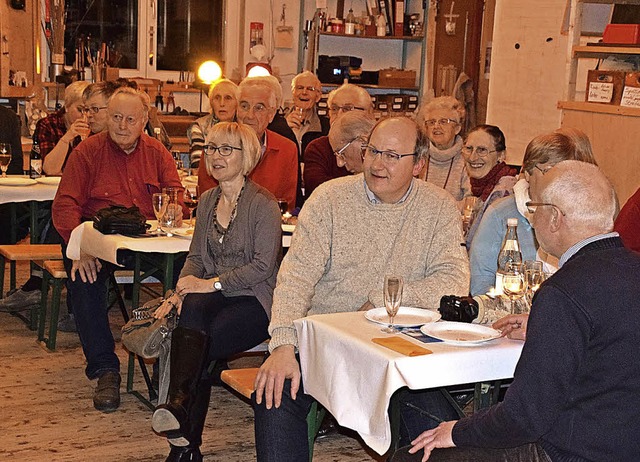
(35, 160)
(509, 252)
(350, 23)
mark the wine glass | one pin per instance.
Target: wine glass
(5, 158)
(534, 277)
(514, 284)
(160, 204)
(392, 299)
(468, 212)
(191, 198)
(284, 206)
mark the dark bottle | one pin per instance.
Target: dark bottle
(36, 161)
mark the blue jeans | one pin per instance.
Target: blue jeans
(89, 306)
(89, 302)
(281, 434)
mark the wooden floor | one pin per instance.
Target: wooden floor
(46, 411)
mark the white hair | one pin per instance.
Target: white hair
(267, 81)
(584, 194)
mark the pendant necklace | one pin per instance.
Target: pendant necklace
(219, 229)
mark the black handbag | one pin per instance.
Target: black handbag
(144, 335)
(118, 219)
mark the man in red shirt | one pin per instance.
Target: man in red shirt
(121, 166)
(277, 170)
(628, 223)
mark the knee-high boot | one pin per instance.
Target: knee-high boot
(189, 350)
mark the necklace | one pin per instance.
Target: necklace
(219, 229)
(426, 175)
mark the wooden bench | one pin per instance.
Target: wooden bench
(242, 381)
(54, 274)
(25, 252)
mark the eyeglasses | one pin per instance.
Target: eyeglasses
(346, 108)
(91, 109)
(388, 157)
(225, 150)
(480, 150)
(130, 120)
(533, 206)
(340, 152)
(543, 170)
(302, 87)
(258, 108)
(441, 122)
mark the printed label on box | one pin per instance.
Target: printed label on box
(630, 97)
(600, 92)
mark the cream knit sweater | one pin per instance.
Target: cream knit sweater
(344, 245)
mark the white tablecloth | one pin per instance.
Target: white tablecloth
(37, 192)
(353, 378)
(105, 247)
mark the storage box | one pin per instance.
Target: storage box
(624, 34)
(631, 92)
(400, 78)
(604, 86)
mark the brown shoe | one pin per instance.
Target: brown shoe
(106, 397)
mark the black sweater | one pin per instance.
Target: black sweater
(576, 388)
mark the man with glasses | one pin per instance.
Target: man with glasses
(576, 390)
(542, 153)
(349, 233)
(319, 159)
(122, 166)
(277, 171)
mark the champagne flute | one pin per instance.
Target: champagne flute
(534, 277)
(514, 284)
(160, 204)
(5, 158)
(191, 198)
(392, 300)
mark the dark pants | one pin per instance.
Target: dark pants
(526, 453)
(89, 305)
(282, 433)
(235, 324)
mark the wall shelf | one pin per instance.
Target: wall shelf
(410, 38)
(604, 50)
(599, 108)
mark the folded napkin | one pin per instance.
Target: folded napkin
(401, 345)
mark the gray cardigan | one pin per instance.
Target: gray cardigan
(247, 261)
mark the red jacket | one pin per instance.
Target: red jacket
(628, 223)
(277, 170)
(320, 165)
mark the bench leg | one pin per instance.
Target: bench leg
(43, 305)
(314, 420)
(55, 312)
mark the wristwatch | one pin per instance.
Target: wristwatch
(217, 285)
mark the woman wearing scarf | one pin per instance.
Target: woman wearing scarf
(484, 152)
(441, 120)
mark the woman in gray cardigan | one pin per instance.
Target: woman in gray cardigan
(225, 289)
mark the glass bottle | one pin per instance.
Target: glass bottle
(35, 161)
(509, 252)
(350, 23)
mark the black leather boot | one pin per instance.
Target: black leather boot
(184, 454)
(189, 350)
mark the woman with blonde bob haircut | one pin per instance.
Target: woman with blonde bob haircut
(225, 289)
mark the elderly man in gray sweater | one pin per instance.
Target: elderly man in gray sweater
(351, 232)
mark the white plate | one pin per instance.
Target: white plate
(288, 228)
(183, 232)
(17, 181)
(53, 180)
(407, 316)
(460, 333)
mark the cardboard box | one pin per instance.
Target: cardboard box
(623, 34)
(631, 92)
(604, 86)
(401, 78)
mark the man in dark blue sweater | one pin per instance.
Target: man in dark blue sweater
(576, 389)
